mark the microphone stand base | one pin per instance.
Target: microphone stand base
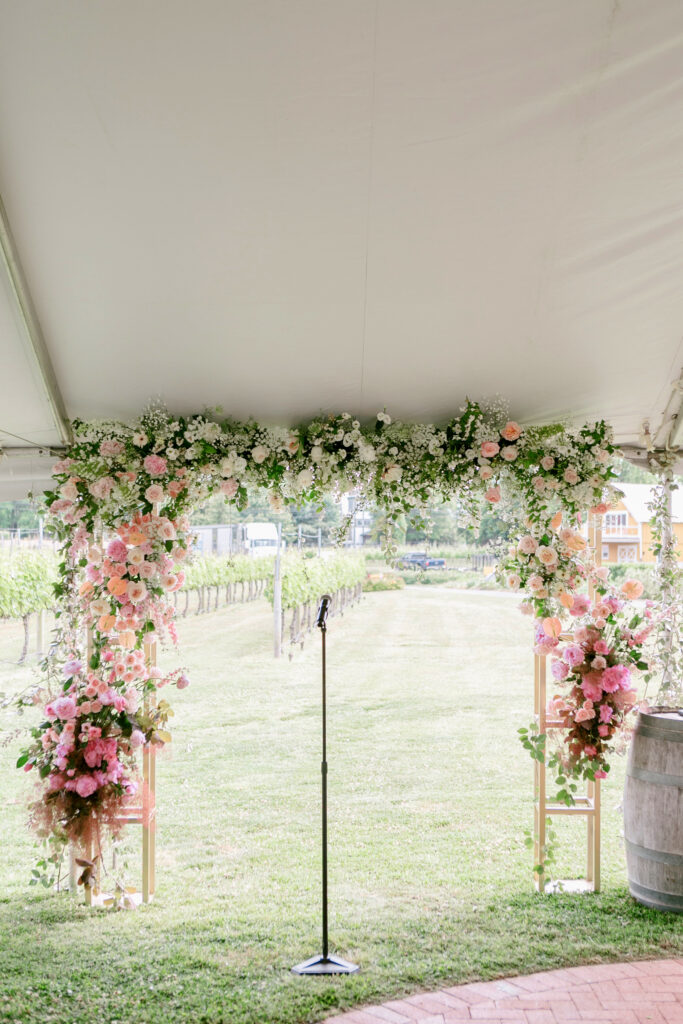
(325, 965)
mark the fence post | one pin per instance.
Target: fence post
(277, 597)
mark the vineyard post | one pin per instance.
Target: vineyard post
(277, 597)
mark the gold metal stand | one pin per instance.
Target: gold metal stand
(586, 805)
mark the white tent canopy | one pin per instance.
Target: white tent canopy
(282, 208)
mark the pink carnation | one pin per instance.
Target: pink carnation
(155, 465)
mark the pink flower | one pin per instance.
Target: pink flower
(603, 730)
(585, 713)
(229, 488)
(574, 655)
(110, 449)
(175, 488)
(591, 686)
(154, 465)
(72, 668)
(117, 550)
(154, 494)
(590, 751)
(167, 530)
(600, 647)
(513, 581)
(510, 453)
(552, 627)
(560, 670)
(580, 606)
(85, 785)
(598, 663)
(489, 449)
(182, 682)
(606, 713)
(547, 462)
(527, 545)
(538, 484)
(136, 591)
(65, 707)
(493, 495)
(546, 555)
(137, 738)
(511, 431)
(616, 678)
(486, 472)
(102, 488)
(570, 475)
(632, 589)
(600, 774)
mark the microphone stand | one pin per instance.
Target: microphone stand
(324, 963)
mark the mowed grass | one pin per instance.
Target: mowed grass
(430, 795)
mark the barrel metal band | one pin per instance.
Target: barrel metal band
(654, 899)
(659, 732)
(657, 778)
(662, 856)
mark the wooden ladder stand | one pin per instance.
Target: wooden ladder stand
(586, 805)
(142, 813)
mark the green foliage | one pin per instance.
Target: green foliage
(26, 584)
(382, 581)
(305, 580)
(222, 570)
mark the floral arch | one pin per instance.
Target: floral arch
(121, 510)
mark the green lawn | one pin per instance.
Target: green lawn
(430, 794)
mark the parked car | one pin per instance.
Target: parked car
(421, 560)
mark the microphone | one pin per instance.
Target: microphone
(323, 609)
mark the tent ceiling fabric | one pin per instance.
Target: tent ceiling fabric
(287, 207)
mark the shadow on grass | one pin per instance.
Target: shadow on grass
(60, 963)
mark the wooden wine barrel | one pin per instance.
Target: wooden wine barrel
(653, 811)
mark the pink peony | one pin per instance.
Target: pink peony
(65, 707)
(606, 713)
(574, 655)
(154, 465)
(85, 785)
(117, 550)
(511, 431)
(72, 668)
(489, 449)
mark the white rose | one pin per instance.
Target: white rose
(392, 474)
(316, 454)
(240, 464)
(227, 465)
(259, 454)
(304, 479)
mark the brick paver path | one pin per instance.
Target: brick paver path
(647, 992)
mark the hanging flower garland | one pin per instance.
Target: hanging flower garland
(121, 506)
